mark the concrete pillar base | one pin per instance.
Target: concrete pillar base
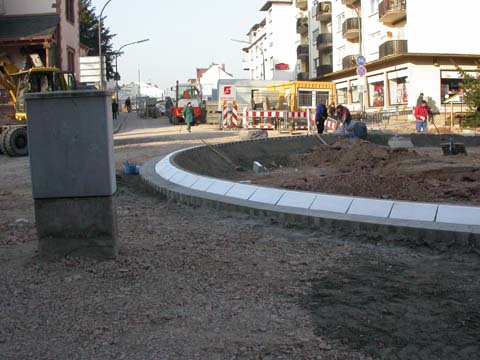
(77, 226)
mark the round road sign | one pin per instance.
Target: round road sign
(361, 60)
(361, 71)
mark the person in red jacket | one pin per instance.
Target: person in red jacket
(421, 117)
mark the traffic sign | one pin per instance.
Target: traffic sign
(361, 60)
(361, 70)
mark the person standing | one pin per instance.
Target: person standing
(203, 107)
(114, 109)
(320, 116)
(420, 99)
(421, 116)
(128, 104)
(188, 116)
(332, 111)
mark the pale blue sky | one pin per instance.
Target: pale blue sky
(184, 35)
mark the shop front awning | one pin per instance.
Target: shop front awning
(27, 29)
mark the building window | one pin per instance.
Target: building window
(376, 91)
(340, 20)
(397, 87)
(314, 37)
(305, 99)
(342, 93)
(373, 7)
(71, 60)
(340, 55)
(354, 91)
(70, 10)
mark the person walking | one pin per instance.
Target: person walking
(114, 109)
(421, 117)
(321, 115)
(128, 104)
(188, 116)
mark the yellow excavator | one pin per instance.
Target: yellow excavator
(13, 131)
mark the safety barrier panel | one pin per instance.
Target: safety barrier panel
(230, 116)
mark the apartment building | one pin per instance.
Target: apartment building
(410, 46)
(48, 28)
(270, 53)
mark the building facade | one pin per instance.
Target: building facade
(405, 54)
(270, 53)
(208, 79)
(47, 28)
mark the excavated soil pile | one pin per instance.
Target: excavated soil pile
(360, 168)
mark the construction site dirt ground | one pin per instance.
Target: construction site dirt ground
(360, 168)
(194, 283)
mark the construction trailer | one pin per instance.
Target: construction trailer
(295, 103)
(302, 95)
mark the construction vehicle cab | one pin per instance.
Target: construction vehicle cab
(185, 93)
(13, 134)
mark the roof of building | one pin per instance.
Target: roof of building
(269, 4)
(28, 27)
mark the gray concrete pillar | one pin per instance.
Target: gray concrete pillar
(73, 172)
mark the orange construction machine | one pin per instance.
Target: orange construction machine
(185, 93)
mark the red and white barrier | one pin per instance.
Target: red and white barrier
(331, 124)
(250, 115)
(230, 119)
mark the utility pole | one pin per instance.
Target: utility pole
(102, 83)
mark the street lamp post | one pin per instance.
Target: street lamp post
(360, 48)
(117, 54)
(102, 85)
(261, 50)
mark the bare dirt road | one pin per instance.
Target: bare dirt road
(193, 283)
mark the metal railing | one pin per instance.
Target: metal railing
(324, 69)
(324, 40)
(302, 51)
(324, 10)
(302, 25)
(302, 76)
(351, 24)
(393, 47)
(349, 61)
(387, 6)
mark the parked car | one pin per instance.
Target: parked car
(160, 106)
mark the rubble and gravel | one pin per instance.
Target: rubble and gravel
(195, 283)
(361, 168)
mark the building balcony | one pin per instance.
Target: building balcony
(349, 61)
(351, 29)
(351, 3)
(302, 26)
(393, 47)
(324, 11)
(324, 69)
(302, 76)
(324, 41)
(392, 11)
(302, 52)
(301, 4)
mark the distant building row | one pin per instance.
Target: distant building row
(410, 47)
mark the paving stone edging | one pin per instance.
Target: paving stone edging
(441, 236)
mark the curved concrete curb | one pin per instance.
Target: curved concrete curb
(437, 226)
